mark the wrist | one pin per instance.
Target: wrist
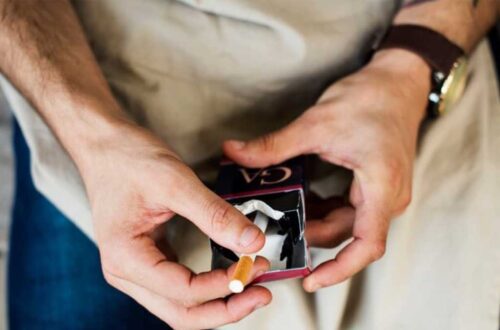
(83, 122)
(412, 72)
(405, 63)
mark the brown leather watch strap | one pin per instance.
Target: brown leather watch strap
(439, 52)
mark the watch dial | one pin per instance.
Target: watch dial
(454, 85)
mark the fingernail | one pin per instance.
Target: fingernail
(249, 235)
(238, 144)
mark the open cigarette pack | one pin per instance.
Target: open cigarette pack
(274, 197)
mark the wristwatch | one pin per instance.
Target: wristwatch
(446, 59)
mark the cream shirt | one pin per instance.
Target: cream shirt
(198, 72)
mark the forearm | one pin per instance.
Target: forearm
(464, 22)
(44, 53)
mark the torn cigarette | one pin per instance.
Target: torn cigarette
(241, 274)
(244, 267)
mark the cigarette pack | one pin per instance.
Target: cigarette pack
(277, 194)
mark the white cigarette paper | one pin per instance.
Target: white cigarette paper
(264, 212)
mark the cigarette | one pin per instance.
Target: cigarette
(244, 266)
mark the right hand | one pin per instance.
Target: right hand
(135, 184)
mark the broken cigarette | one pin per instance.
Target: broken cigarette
(244, 266)
(241, 274)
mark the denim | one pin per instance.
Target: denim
(54, 278)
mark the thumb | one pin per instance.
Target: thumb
(217, 218)
(272, 148)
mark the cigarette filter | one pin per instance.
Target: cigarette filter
(244, 266)
(241, 274)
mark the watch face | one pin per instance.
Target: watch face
(454, 85)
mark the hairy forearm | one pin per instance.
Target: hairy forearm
(464, 22)
(44, 53)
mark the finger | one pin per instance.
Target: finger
(350, 260)
(215, 284)
(272, 148)
(331, 231)
(215, 217)
(208, 315)
(147, 266)
(216, 313)
(370, 229)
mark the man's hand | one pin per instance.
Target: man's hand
(135, 183)
(367, 122)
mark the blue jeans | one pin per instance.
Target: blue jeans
(54, 274)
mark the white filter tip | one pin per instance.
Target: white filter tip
(236, 286)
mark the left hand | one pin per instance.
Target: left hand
(367, 122)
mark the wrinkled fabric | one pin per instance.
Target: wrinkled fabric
(198, 72)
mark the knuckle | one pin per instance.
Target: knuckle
(176, 324)
(234, 318)
(378, 250)
(112, 262)
(188, 302)
(182, 318)
(406, 200)
(393, 174)
(268, 142)
(177, 173)
(111, 267)
(108, 277)
(219, 215)
(188, 318)
(393, 167)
